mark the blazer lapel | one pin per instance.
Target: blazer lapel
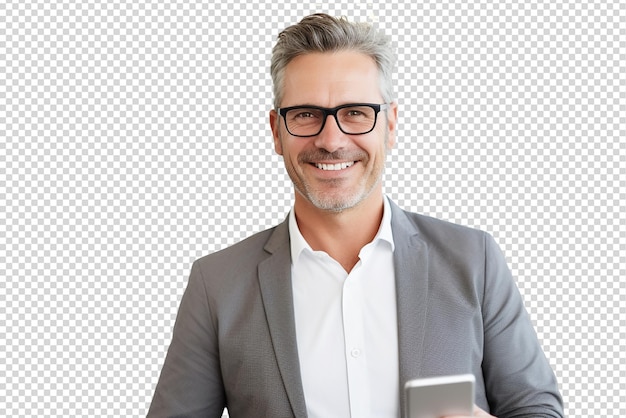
(277, 296)
(411, 270)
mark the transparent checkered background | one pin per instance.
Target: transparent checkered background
(134, 139)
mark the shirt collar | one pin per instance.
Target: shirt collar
(299, 244)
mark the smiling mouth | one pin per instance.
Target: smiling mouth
(334, 167)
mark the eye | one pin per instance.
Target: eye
(303, 115)
(354, 112)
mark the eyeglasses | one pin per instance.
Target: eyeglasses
(352, 119)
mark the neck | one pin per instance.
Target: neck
(340, 234)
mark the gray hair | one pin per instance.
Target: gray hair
(323, 33)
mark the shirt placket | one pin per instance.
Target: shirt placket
(356, 356)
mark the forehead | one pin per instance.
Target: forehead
(330, 79)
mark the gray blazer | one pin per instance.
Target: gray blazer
(459, 311)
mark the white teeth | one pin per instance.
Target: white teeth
(338, 166)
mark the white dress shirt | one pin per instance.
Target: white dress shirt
(346, 327)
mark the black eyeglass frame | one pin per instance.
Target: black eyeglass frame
(333, 111)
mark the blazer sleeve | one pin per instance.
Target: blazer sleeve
(518, 378)
(190, 384)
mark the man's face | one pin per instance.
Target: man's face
(334, 171)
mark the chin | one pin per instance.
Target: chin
(339, 203)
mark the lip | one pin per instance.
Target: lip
(332, 169)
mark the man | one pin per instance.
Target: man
(331, 312)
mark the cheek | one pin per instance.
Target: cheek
(288, 150)
(378, 148)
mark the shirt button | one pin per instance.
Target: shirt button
(355, 352)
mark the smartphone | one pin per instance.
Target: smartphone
(436, 397)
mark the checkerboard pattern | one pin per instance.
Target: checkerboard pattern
(134, 139)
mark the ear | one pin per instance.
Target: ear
(392, 123)
(274, 122)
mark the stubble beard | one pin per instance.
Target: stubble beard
(335, 201)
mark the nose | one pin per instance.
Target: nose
(331, 138)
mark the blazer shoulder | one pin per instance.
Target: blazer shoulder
(240, 262)
(454, 241)
(252, 247)
(430, 227)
